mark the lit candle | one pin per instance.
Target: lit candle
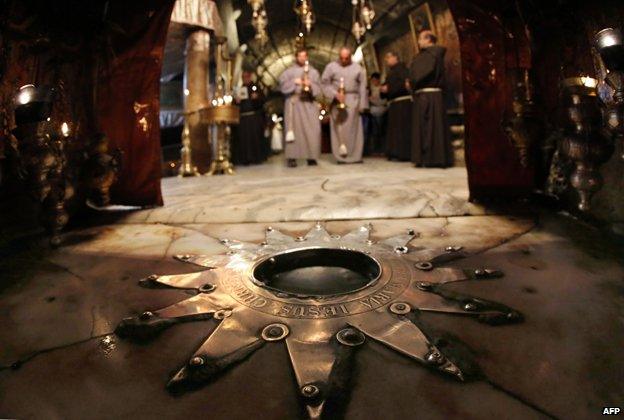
(65, 129)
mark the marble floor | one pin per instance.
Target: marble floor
(60, 358)
(269, 192)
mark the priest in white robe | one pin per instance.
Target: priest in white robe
(344, 82)
(300, 83)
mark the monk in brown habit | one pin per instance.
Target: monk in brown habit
(301, 83)
(248, 144)
(431, 138)
(399, 126)
(345, 83)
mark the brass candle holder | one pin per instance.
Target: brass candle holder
(187, 168)
(54, 173)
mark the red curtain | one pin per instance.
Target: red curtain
(488, 58)
(128, 96)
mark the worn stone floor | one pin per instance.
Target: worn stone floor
(260, 193)
(563, 361)
(59, 358)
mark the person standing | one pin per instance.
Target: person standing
(378, 108)
(344, 82)
(248, 141)
(431, 146)
(300, 83)
(399, 128)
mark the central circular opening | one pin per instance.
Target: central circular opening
(317, 271)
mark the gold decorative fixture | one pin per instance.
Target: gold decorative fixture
(341, 90)
(300, 41)
(259, 21)
(222, 113)
(303, 9)
(306, 90)
(363, 15)
(186, 160)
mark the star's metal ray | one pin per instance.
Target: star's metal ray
(399, 243)
(275, 237)
(322, 368)
(151, 323)
(208, 261)
(317, 234)
(437, 298)
(391, 281)
(426, 259)
(234, 339)
(361, 235)
(198, 280)
(400, 334)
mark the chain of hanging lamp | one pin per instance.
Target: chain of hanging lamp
(259, 21)
(305, 12)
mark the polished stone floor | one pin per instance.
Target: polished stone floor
(59, 358)
(375, 189)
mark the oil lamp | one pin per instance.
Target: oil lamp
(259, 21)
(610, 46)
(303, 9)
(583, 142)
(363, 15)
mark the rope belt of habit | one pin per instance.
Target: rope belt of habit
(248, 113)
(428, 90)
(401, 98)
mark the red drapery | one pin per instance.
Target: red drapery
(488, 57)
(128, 97)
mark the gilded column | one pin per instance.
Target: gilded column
(196, 95)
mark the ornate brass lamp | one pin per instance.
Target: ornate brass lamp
(259, 21)
(583, 142)
(524, 126)
(610, 45)
(186, 161)
(303, 9)
(363, 15)
(221, 114)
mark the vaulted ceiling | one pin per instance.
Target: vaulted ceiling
(331, 30)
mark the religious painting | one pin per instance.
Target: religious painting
(402, 45)
(370, 58)
(421, 19)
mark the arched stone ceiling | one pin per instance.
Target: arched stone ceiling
(331, 30)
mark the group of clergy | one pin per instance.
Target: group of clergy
(417, 128)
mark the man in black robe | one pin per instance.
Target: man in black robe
(378, 105)
(431, 138)
(248, 145)
(399, 125)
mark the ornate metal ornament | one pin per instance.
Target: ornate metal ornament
(610, 45)
(259, 21)
(583, 140)
(322, 295)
